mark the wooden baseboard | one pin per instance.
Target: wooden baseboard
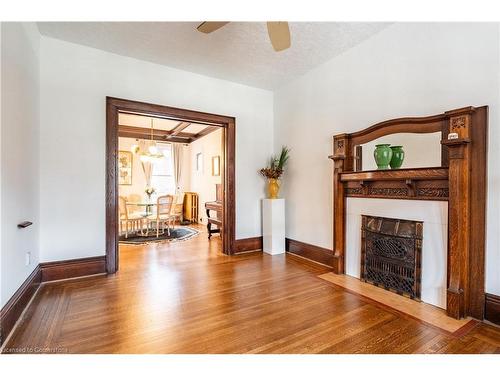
(248, 244)
(66, 269)
(49, 271)
(43, 272)
(15, 306)
(492, 308)
(311, 252)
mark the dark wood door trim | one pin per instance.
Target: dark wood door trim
(113, 107)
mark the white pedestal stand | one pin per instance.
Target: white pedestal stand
(273, 226)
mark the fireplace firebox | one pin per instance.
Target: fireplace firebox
(391, 254)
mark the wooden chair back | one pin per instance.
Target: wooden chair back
(164, 205)
(122, 208)
(134, 198)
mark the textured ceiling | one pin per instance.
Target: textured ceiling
(239, 52)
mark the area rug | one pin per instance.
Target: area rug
(177, 234)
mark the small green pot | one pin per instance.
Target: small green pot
(398, 155)
(382, 155)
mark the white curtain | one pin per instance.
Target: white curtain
(177, 159)
(147, 167)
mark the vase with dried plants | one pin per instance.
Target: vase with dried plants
(274, 171)
(149, 192)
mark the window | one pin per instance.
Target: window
(162, 178)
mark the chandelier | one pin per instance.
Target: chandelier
(147, 148)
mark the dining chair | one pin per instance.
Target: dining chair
(134, 198)
(164, 207)
(130, 220)
(177, 209)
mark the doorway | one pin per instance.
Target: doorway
(115, 107)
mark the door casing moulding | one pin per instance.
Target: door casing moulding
(116, 105)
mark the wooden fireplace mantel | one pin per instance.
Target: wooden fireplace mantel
(461, 181)
(417, 183)
(436, 173)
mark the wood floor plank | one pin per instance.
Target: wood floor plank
(187, 297)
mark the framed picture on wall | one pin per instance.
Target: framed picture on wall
(216, 166)
(199, 162)
(124, 168)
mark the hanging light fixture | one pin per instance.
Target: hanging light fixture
(147, 149)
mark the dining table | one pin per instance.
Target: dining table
(147, 207)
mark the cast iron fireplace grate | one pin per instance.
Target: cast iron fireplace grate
(391, 254)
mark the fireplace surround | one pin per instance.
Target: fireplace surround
(433, 214)
(391, 251)
(460, 180)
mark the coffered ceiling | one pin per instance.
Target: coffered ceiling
(133, 125)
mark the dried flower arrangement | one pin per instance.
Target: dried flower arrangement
(277, 164)
(149, 191)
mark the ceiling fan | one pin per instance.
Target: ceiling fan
(279, 32)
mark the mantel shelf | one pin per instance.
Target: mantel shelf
(438, 173)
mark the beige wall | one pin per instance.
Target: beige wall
(136, 190)
(138, 178)
(202, 182)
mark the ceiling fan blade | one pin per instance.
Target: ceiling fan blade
(279, 34)
(209, 27)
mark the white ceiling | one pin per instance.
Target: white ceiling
(239, 52)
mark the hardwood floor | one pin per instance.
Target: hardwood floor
(187, 297)
(424, 312)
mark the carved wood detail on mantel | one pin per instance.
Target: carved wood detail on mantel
(461, 181)
(418, 183)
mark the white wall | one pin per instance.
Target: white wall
(202, 182)
(74, 83)
(19, 154)
(405, 70)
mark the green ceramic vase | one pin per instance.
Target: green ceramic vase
(383, 155)
(398, 155)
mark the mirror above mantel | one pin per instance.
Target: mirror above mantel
(421, 150)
